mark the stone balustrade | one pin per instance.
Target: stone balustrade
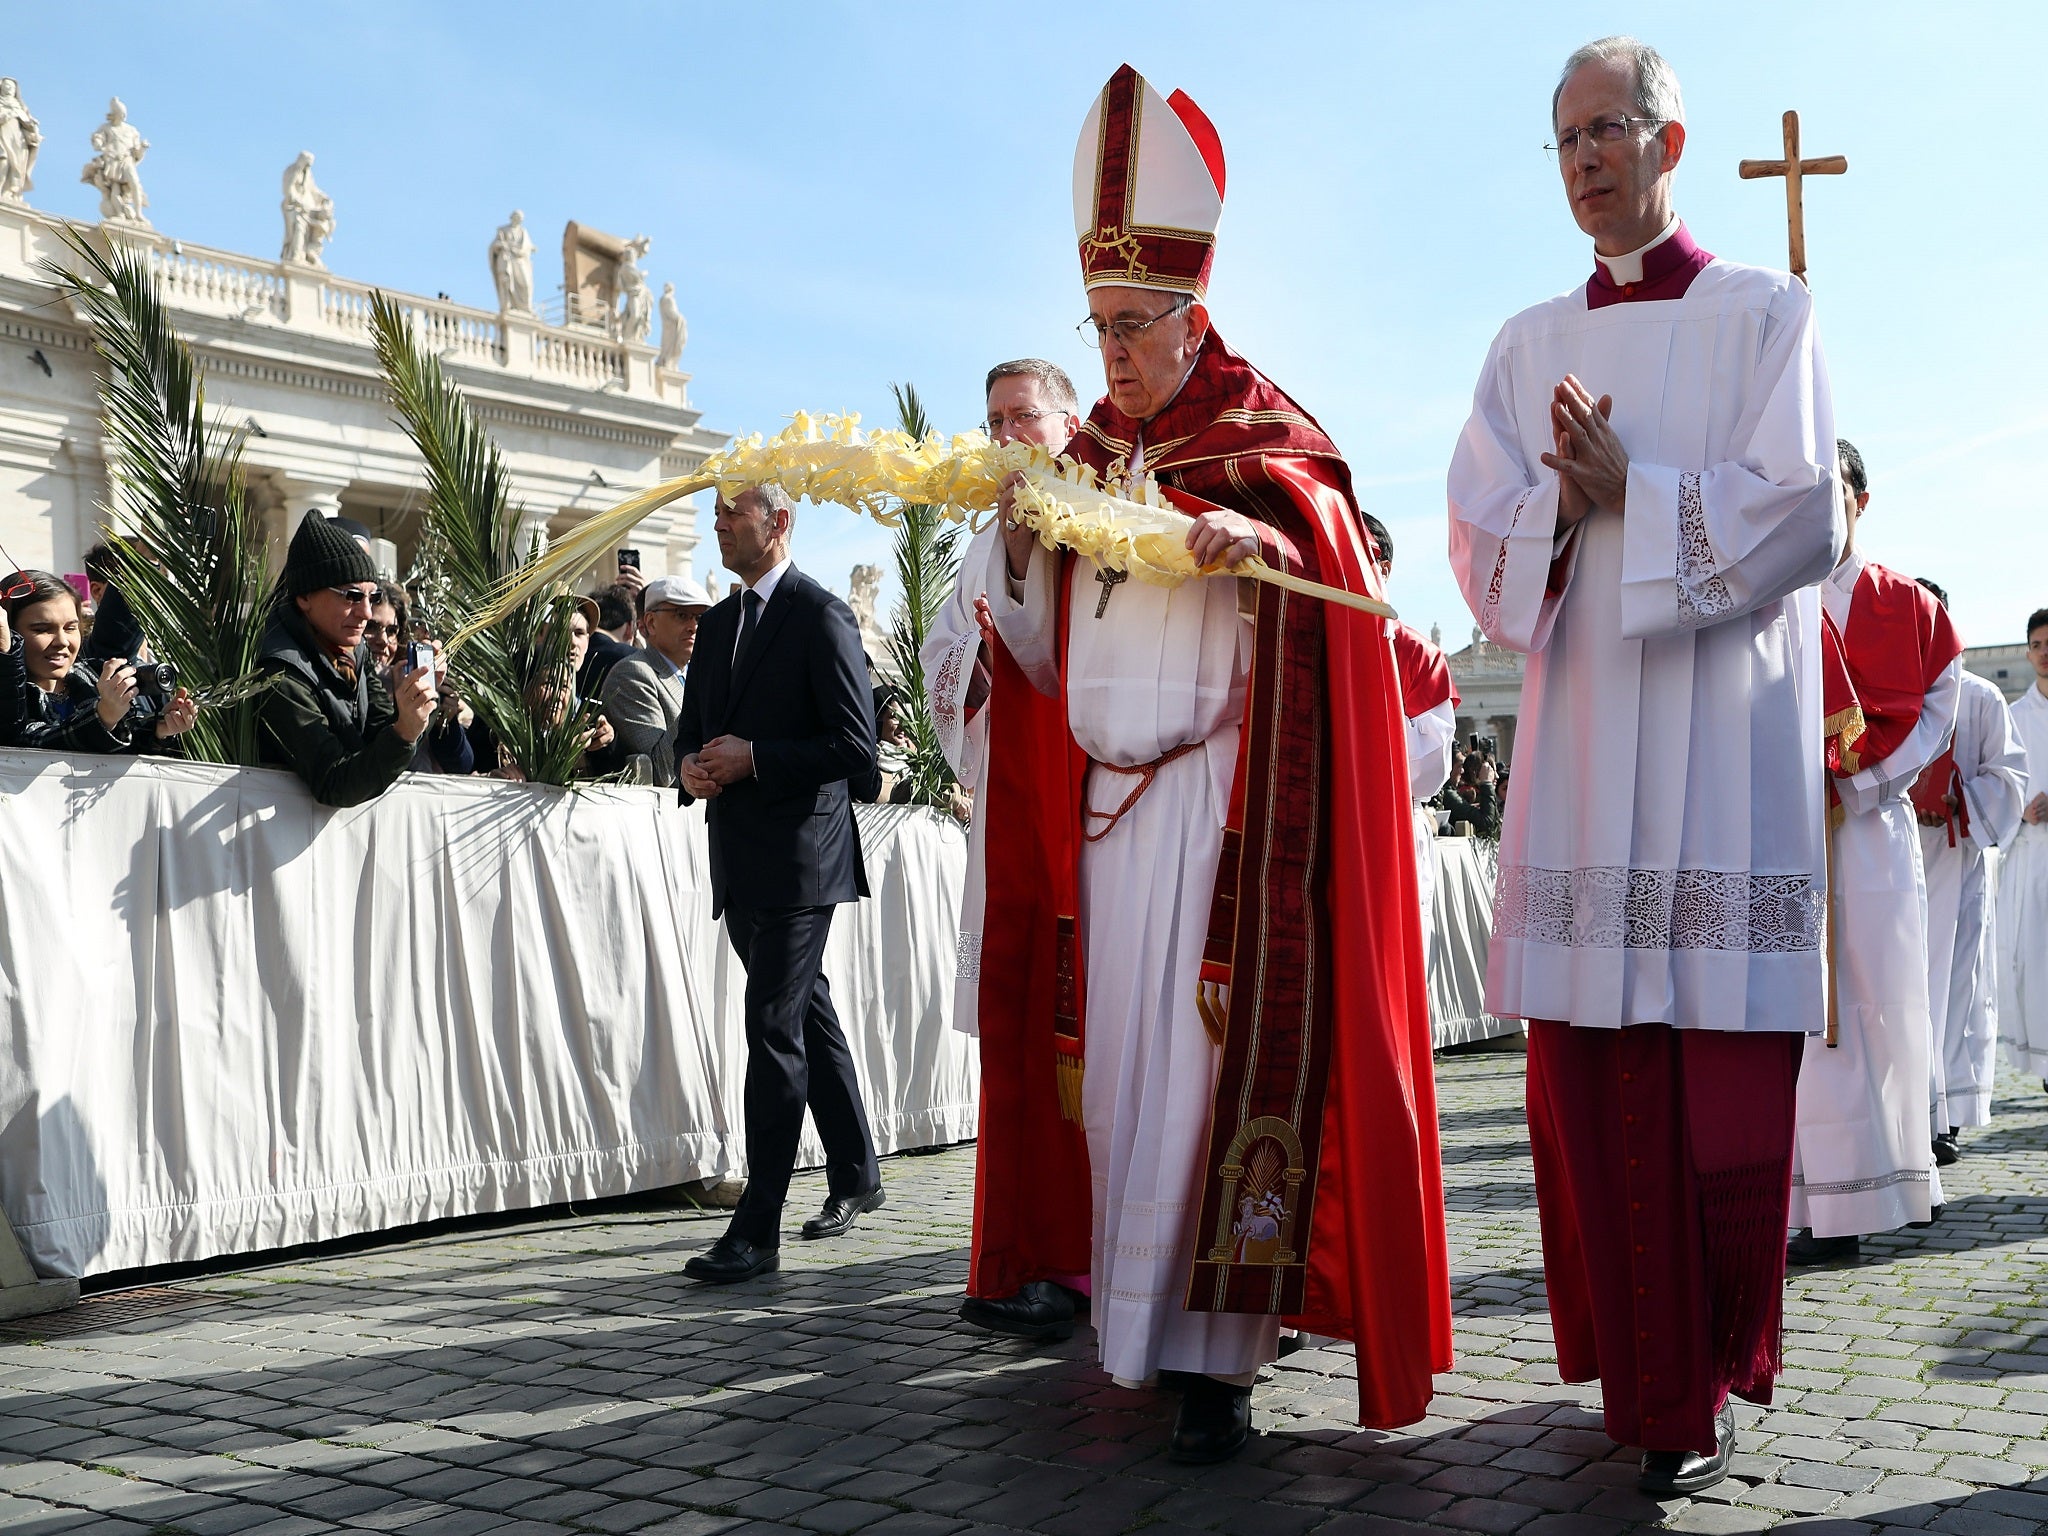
(300, 298)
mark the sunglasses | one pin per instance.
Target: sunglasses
(353, 595)
(390, 631)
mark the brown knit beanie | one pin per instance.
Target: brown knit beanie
(322, 555)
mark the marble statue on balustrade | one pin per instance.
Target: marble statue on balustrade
(308, 213)
(635, 316)
(20, 137)
(675, 333)
(512, 266)
(117, 151)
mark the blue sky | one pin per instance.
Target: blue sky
(847, 195)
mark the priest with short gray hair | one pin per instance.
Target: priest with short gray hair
(1642, 501)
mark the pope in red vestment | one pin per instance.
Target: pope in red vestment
(1314, 1193)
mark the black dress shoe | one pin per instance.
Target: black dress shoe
(1945, 1150)
(1669, 1474)
(1041, 1310)
(1805, 1248)
(839, 1211)
(1214, 1421)
(730, 1260)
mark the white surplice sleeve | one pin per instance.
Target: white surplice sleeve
(1026, 613)
(1996, 791)
(1704, 546)
(1504, 520)
(951, 648)
(1865, 790)
(1430, 736)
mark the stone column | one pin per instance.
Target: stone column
(294, 497)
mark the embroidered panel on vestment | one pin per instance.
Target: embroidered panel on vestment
(1675, 909)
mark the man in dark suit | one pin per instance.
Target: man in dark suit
(776, 719)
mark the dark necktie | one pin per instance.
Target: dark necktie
(750, 613)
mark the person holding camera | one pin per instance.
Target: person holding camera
(390, 637)
(51, 699)
(329, 716)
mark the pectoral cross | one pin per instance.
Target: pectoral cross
(1109, 580)
(1794, 170)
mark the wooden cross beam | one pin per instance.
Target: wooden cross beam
(1794, 170)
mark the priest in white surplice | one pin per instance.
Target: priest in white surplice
(1968, 801)
(1642, 501)
(1864, 1161)
(2023, 883)
(1029, 400)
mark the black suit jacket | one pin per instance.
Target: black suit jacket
(786, 837)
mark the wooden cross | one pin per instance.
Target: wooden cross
(1109, 580)
(1794, 169)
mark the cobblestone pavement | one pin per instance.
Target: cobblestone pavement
(560, 1376)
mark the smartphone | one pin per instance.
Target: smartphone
(418, 655)
(629, 557)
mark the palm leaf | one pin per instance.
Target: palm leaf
(927, 549)
(469, 552)
(188, 553)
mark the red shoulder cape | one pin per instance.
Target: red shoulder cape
(1897, 643)
(1325, 1104)
(1424, 672)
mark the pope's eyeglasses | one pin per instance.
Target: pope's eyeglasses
(1125, 331)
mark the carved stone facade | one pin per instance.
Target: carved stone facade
(287, 353)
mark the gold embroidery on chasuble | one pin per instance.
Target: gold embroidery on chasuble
(1262, 1177)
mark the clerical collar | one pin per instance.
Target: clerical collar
(1663, 269)
(1629, 268)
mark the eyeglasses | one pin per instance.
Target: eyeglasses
(389, 631)
(1604, 130)
(1125, 331)
(353, 595)
(1021, 418)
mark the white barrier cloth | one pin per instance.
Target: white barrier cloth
(1463, 917)
(236, 1020)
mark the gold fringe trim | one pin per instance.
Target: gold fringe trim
(1067, 1071)
(1212, 1001)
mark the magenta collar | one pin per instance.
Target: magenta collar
(1668, 270)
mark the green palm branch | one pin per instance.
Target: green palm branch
(927, 549)
(188, 553)
(515, 673)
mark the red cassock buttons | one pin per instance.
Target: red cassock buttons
(1642, 1290)
(1641, 1249)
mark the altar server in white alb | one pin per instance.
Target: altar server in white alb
(2023, 883)
(1865, 1162)
(1642, 501)
(1429, 707)
(1968, 801)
